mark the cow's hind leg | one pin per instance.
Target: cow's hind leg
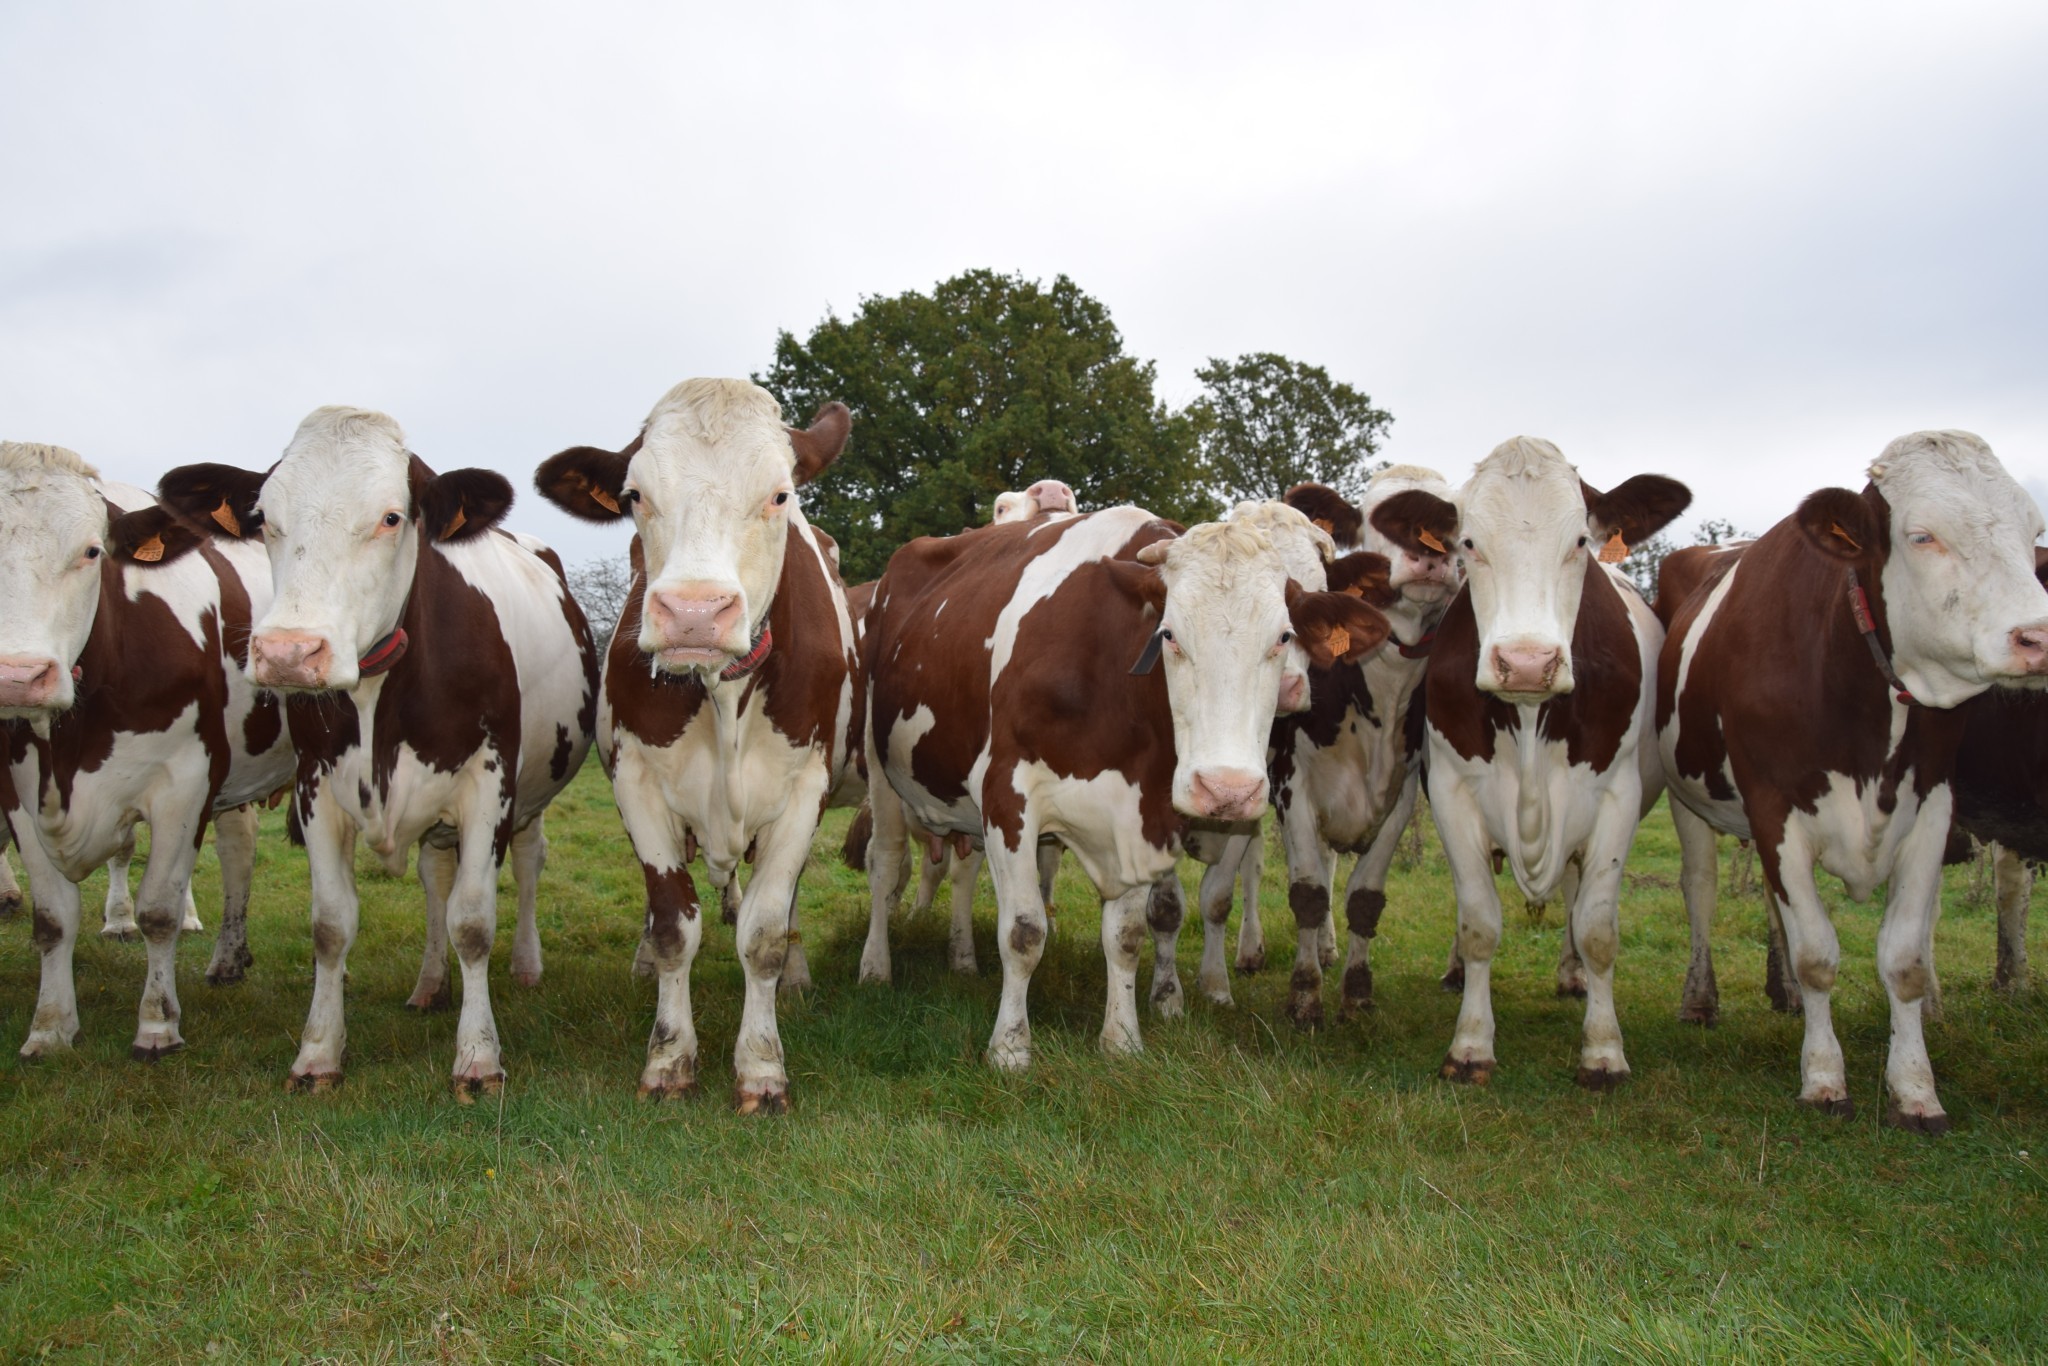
(1571, 965)
(1213, 896)
(1123, 931)
(434, 990)
(1165, 908)
(1251, 935)
(1905, 964)
(887, 851)
(117, 920)
(10, 890)
(234, 843)
(473, 926)
(960, 936)
(160, 910)
(1699, 881)
(1020, 943)
(760, 1081)
(2015, 883)
(529, 858)
(796, 967)
(1365, 900)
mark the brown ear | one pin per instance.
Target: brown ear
(220, 498)
(587, 481)
(1417, 520)
(819, 444)
(1635, 509)
(1363, 574)
(152, 536)
(1329, 510)
(463, 503)
(1335, 626)
(1841, 525)
(1138, 581)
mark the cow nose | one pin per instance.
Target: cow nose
(2030, 648)
(1526, 668)
(28, 680)
(693, 617)
(1427, 568)
(289, 659)
(1051, 496)
(1227, 794)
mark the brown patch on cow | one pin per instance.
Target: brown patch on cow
(853, 852)
(44, 931)
(1358, 987)
(1310, 902)
(1165, 906)
(1912, 981)
(1026, 934)
(472, 942)
(1362, 912)
(1815, 973)
(328, 940)
(671, 899)
(565, 750)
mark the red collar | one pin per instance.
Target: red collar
(751, 660)
(384, 654)
(1419, 650)
(1859, 606)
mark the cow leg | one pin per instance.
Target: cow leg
(1905, 963)
(1453, 979)
(160, 909)
(930, 872)
(960, 939)
(234, 844)
(729, 897)
(1365, 899)
(1049, 852)
(1311, 867)
(1123, 931)
(54, 930)
(117, 921)
(887, 850)
(1781, 984)
(675, 930)
(1594, 932)
(1165, 907)
(473, 925)
(1468, 848)
(529, 857)
(330, 860)
(760, 1085)
(2015, 883)
(1212, 897)
(1698, 879)
(1815, 956)
(433, 990)
(1020, 943)
(10, 890)
(1251, 935)
(1571, 967)
(796, 968)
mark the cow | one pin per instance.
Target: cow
(122, 699)
(1539, 688)
(730, 690)
(1044, 498)
(1810, 699)
(439, 685)
(1004, 705)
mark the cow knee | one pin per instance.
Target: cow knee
(1027, 937)
(1598, 945)
(1910, 981)
(472, 939)
(1815, 973)
(45, 931)
(1362, 911)
(1476, 941)
(767, 949)
(1163, 909)
(1310, 903)
(159, 923)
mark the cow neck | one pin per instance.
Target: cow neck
(1419, 650)
(383, 656)
(1866, 622)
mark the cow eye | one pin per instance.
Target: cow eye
(1921, 538)
(392, 519)
(92, 552)
(1468, 543)
(1582, 542)
(1286, 637)
(631, 495)
(781, 498)
(1166, 636)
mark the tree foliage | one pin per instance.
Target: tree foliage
(987, 383)
(1645, 560)
(1268, 423)
(600, 588)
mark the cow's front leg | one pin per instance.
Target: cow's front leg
(760, 1082)
(1251, 935)
(1213, 896)
(960, 935)
(1594, 928)
(1699, 880)
(1311, 867)
(433, 990)
(1814, 956)
(1123, 932)
(887, 850)
(796, 966)
(473, 925)
(1468, 848)
(1905, 963)
(160, 914)
(1020, 942)
(1365, 900)
(234, 843)
(330, 860)
(529, 858)
(675, 930)
(2015, 884)
(117, 918)
(54, 930)
(1165, 908)
(10, 890)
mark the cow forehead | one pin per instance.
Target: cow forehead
(711, 432)
(47, 487)
(342, 454)
(1227, 561)
(1952, 478)
(1528, 480)
(1401, 479)
(1300, 547)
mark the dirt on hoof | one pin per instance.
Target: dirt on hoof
(467, 1089)
(1705, 1016)
(1255, 963)
(312, 1083)
(1468, 1072)
(1931, 1126)
(1601, 1078)
(129, 935)
(1305, 1012)
(1453, 980)
(669, 1090)
(229, 976)
(153, 1052)
(442, 999)
(760, 1103)
(1575, 990)
(1838, 1107)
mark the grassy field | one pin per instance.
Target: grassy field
(1238, 1191)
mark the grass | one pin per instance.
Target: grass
(1239, 1190)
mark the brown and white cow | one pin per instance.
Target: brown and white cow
(730, 689)
(1810, 700)
(122, 699)
(1539, 689)
(1004, 706)
(440, 683)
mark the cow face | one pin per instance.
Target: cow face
(1045, 496)
(710, 484)
(342, 517)
(1951, 537)
(58, 546)
(1421, 575)
(1233, 621)
(1524, 530)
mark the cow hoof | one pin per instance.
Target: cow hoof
(1326, 958)
(1305, 1012)
(1454, 980)
(124, 934)
(770, 1099)
(1467, 1071)
(794, 979)
(154, 1050)
(225, 975)
(39, 1047)
(1218, 993)
(192, 925)
(1576, 990)
(1838, 1107)
(312, 1083)
(729, 915)
(10, 905)
(1932, 1126)
(966, 964)
(1601, 1078)
(526, 979)
(1351, 1007)
(424, 1001)
(679, 1088)
(1706, 1016)
(1252, 962)
(467, 1089)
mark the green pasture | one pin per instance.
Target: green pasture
(1240, 1191)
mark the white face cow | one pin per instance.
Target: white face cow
(1524, 529)
(1422, 576)
(1954, 534)
(1045, 496)
(1243, 600)
(710, 483)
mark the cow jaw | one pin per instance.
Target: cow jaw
(1964, 607)
(1522, 541)
(341, 576)
(53, 524)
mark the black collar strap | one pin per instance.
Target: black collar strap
(384, 654)
(1150, 655)
(1419, 650)
(751, 660)
(1859, 604)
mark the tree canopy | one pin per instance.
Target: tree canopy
(987, 383)
(1267, 423)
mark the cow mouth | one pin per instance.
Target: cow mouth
(680, 657)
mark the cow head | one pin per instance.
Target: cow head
(1424, 576)
(1045, 496)
(1241, 605)
(1950, 536)
(710, 484)
(1524, 529)
(342, 516)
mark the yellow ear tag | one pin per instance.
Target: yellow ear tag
(1431, 541)
(225, 515)
(455, 524)
(151, 550)
(1836, 529)
(1339, 640)
(1324, 523)
(604, 500)
(1615, 551)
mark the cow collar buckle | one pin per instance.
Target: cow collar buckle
(384, 654)
(751, 660)
(1859, 606)
(1419, 650)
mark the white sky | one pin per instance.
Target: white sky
(1740, 244)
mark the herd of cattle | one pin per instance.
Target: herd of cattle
(354, 630)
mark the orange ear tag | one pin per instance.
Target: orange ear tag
(151, 550)
(1835, 528)
(225, 515)
(1615, 551)
(455, 524)
(1431, 541)
(1328, 528)
(1339, 640)
(604, 500)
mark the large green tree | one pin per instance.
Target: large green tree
(1268, 423)
(987, 383)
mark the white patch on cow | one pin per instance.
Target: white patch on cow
(1097, 818)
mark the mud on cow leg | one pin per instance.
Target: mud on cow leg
(434, 989)
(234, 842)
(1310, 902)
(2015, 883)
(674, 932)
(1164, 910)
(1362, 911)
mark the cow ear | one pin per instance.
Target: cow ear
(152, 536)
(1635, 509)
(1335, 626)
(1840, 524)
(587, 481)
(819, 444)
(1140, 582)
(220, 498)
(463, 503)
(1417, 520)
(1329, 510)
(1363, 574)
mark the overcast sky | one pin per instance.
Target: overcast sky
(1744, 245)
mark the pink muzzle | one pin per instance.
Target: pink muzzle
(28, 680)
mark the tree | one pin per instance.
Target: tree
(1645, 560)
(1268, 423)
(987, 383)
(600, 588)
